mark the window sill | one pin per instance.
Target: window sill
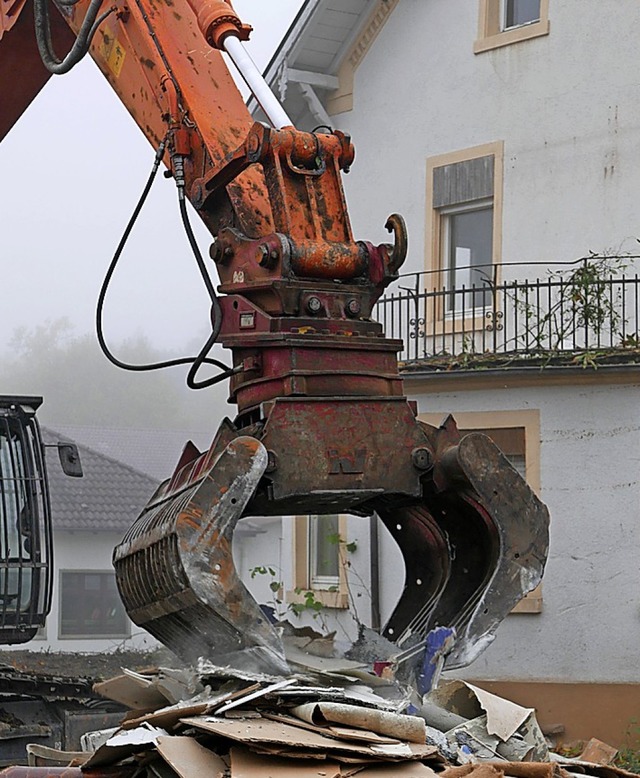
(337, 600)
(514, 35)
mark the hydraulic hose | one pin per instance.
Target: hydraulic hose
(81, 45)
(201, 358)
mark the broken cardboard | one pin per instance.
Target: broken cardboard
(189, 759)
(124, 743)
(598, 752)
(253, 695)
(245, 764)
(131, 691)
(346, 733)
(405, 770)
(501, 769)
(499, 727)
(265, 732)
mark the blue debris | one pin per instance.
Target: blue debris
(438, 644)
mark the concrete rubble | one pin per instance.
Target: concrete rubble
(331, 717)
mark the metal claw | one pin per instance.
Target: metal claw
(175, 568)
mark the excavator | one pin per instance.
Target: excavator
(323, 425)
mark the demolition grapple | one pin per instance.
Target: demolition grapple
(324, 427)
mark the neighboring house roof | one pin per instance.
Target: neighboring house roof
(109, 496)
(306, 63)
(152, 451)
(112, 494)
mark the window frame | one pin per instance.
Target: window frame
(302, 571)
(438, 321)
(529, 421)
(88, 636)
(449, 269)
(492, 33)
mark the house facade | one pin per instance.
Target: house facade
(90, 516)
(506, 132)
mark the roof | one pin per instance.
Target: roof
(154, 452)
(305, 65)
(108, 497)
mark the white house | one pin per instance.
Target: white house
(507, 134)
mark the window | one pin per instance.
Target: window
(504, 22)
(465, 200)
(324, 551)
(519, 12)
(467, 250)
(318, 560)
(517, 434)
(90, 606)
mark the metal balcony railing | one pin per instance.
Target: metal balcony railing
(583, 309)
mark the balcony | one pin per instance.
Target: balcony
(585, 313)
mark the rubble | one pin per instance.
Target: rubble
(330, 717)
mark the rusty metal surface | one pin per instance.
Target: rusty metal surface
(334, 454)
(175, 569)
(472, 534)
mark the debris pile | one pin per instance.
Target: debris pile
(330, 718)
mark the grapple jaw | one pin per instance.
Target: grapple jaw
(474, 547)
(175, 568)
(472, 533)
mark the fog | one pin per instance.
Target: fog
(73, 169)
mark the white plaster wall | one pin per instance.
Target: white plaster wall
(275, 548)
(589, 629)
(566, 106)
(264, 549)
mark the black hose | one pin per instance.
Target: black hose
(192, 383)
(201, 358)
(81, 45)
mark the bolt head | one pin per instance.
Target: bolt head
(314, 305)
(422, 459)
(354, 307)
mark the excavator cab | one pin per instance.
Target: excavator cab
(26, 545)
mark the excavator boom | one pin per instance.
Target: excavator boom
(323, 425)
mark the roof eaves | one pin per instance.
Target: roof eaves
(290, 40)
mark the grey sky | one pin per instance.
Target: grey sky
(72, 170)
